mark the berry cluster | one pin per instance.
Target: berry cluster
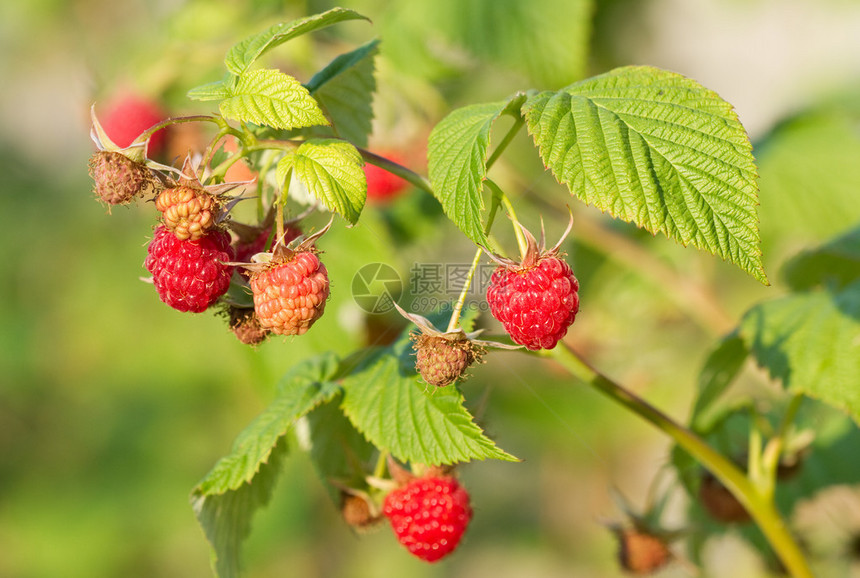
(195, 247)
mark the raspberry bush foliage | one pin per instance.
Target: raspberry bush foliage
(647, 146)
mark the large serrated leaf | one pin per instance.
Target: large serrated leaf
(226, 518)
(457, 162)
(271, 98)
(811, 342)
(241, 56)
(837, 263)
(345, 90)
(331, 170)
(241, 482)
(659, 150)
(338, 451)
(385, 401)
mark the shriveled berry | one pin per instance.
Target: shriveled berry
(429, 515)
(290, 296)
(719, 502)
(188, 212)
(442, 361)
(535, 303)
(190, 275)
(118, 179)
(246, 326)
(358, 512)
(641, 553)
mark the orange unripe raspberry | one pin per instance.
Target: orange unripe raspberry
(290, 296)
(187, 212)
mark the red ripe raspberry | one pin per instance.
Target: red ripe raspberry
(289, 296)
(187, 211)
(383, 186)
(128, 116)
(536, 303)
(429, 515)
(190, 275)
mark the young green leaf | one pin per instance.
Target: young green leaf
(386, 402)
(212, 91)
(345, 90)
(811, 342)
(241, 482)
(271, 98)
(241, 56)
(659, 150)
(331, 170)
(457, 162)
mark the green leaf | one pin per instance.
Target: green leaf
(331, 170)
(836, 264)
(719, 371)
(457, 162)
(241, 56)
(385, 401)
(811, 342)
(241, 482)
(271, 98)
(659, 150)
(338, 451)
(212, 91)
(345, 90)
(226, 517)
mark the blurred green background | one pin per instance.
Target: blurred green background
(112, 405)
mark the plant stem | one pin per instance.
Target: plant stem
(407, 175)
(760, 507)
(774, 447)
(506, 140)
(458, 307)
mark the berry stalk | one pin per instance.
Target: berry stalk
(757, 503)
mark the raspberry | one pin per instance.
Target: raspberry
(128, 116)
(429, 515)
(641, 553)
(442, 361)
(383, 186)
(118, 179)
(187, 211)
(289, 296)
(536, 302)
(190, 275)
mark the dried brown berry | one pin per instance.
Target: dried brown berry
(641, 553)
(118, 179)
(441, 360)
(720, 503)
(246, 326)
